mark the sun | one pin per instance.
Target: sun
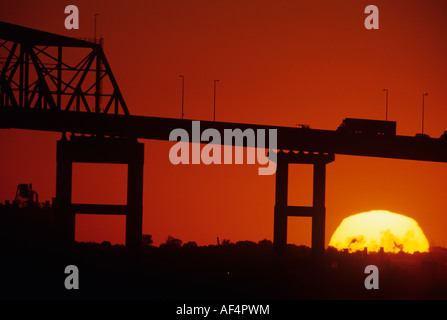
(379, 229)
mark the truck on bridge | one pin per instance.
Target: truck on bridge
(368, 127)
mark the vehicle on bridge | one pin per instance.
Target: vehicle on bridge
(443, 136)
(422, 136)
(368, 127)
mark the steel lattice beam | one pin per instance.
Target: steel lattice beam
(35, 73)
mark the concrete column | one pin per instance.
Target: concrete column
(319, 217)
(134, 219)
(280, 215)
(65, 217)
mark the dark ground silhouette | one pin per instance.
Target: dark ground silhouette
(32, 267)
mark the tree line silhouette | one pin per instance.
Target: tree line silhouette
(186, 270)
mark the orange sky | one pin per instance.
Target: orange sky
(279, 63)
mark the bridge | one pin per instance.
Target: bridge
(42, 87)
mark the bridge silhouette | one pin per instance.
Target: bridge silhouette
(41, 88)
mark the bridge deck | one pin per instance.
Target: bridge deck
(289, 138)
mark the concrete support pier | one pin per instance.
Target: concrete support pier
(100, 150)
(282, 210)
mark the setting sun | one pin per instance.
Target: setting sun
(378, 228)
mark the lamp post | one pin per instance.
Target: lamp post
(423, 100)
(214, 116)
(183, 91)
(386, 104)
(96, 14)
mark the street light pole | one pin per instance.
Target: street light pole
(183, 92)
(386, 105)
(423, 98)
(96, 14)
(214, 116)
